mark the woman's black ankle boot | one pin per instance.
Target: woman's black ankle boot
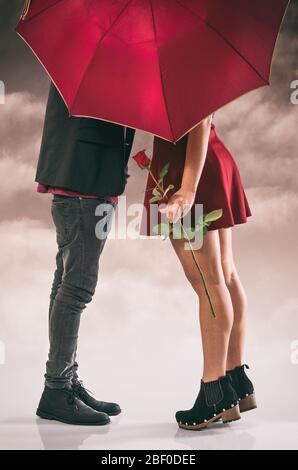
(243, 387)
(216, 400)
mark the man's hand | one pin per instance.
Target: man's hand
(179, 205)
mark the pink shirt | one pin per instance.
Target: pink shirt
(41, 188)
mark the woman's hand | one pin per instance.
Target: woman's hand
(197, 144)
(179, 205)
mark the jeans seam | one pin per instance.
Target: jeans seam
(81, 239)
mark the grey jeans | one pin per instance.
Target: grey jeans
(75, 279)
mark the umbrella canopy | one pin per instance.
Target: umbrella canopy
(156, 65)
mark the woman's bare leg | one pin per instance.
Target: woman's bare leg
(215, 331)
(238, 297)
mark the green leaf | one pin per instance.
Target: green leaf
(201, 228)
(162, 229)
(164, 171)
(189, 233)
(154, 199)
(206, 224)
(155, 192)
(212, 216)
(171, 186)
(197, 231)
(205, 230)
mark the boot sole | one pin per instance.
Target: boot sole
(49, 416)
(233, 414)
(248, 403)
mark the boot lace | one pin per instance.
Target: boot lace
(80, 390)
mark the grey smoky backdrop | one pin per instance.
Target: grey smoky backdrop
(142, 326)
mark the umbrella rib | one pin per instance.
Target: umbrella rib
(160, 71)
(40, 12)
(97, 46)
(225, 40)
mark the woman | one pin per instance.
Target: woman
(205, 172)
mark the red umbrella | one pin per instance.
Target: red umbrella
(156, 65)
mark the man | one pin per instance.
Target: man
(83, 163)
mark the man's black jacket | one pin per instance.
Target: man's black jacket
(82, 154)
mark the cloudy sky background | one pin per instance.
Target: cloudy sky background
(143, 321)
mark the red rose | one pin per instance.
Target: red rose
(142, 160)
